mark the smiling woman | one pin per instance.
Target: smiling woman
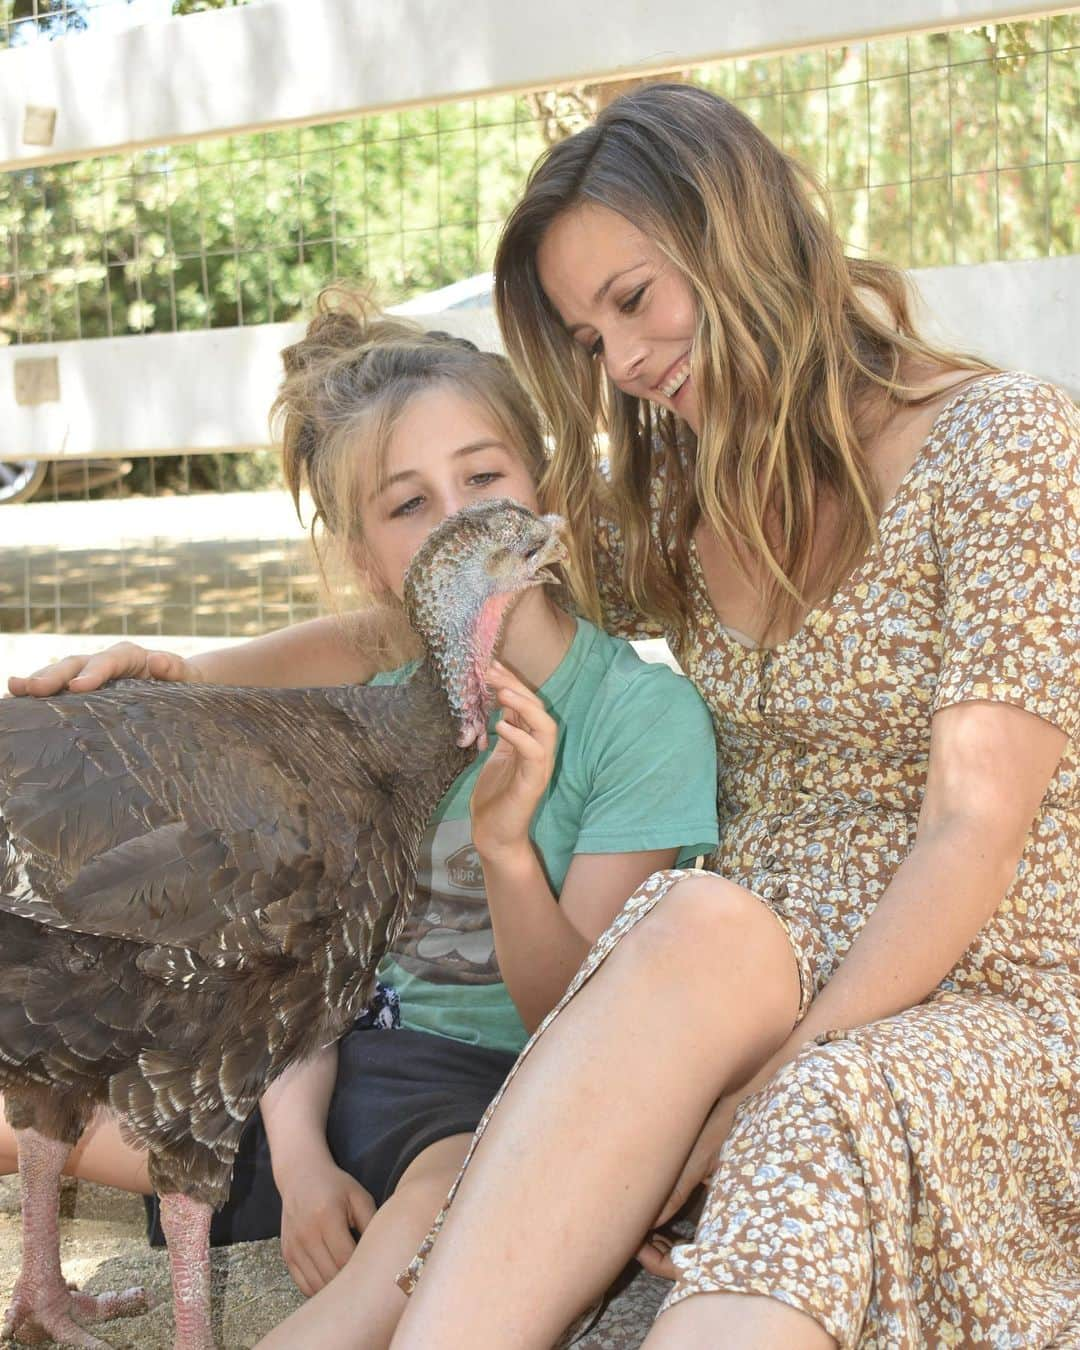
(887, 936)
(626, 303)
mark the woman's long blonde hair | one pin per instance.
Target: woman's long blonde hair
(346, 384)
(791, 335)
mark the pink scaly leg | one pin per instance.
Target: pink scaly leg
(186, 1225)
(43, 1307)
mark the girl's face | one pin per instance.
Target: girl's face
(445, 452)
(627, 305)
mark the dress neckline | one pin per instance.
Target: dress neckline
(910, 474)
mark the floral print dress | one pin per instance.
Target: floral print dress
(914, 1182)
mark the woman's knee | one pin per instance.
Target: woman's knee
(713, 927)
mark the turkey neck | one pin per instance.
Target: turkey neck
(438, 757)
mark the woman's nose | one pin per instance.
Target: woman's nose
(625, 358)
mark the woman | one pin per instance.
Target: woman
(863, 551)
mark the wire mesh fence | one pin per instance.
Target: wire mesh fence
(936, 148)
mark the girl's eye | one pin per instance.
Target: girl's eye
(485, 479)
(633, 300)
(407, 508)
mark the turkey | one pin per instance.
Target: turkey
(197, 884)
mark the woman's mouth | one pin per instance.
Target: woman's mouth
(675, 379)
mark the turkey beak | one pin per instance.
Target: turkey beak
(552, 551)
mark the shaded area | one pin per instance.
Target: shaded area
(159, 586)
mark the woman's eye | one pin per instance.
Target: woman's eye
(632, 301)
(407, 508)
(485, 479)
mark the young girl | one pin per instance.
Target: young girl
(603, 770)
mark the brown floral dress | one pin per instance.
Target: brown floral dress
(915, 1182)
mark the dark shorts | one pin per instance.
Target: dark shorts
(397, 1092)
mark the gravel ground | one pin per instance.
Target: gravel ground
(104, 1247)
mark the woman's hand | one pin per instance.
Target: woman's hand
(655, 1252)
(318, 1210)
(124, 660)
(512, 782)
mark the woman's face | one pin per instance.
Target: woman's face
(627, 305)
(445, 452)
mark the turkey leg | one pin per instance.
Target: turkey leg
(43, 1305)
(186, 1225)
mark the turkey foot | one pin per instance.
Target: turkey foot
(40, 1312)
(43, 1307)
(186, 1225)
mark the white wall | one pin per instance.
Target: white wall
(292, 62)
(163, 393)
(211, 390)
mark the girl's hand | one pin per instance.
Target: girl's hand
(124, 660)
(511, 783)
(318, 1211)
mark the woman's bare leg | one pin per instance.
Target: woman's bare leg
(361, 1306)
(741, 1321)
(101, 1155)
(592, 1132)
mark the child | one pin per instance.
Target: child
(602, 772)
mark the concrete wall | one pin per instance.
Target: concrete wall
(274, 64)
(212, 390)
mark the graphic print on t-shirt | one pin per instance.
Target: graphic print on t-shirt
(447, 938)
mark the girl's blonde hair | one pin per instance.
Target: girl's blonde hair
(346, 384)
(791, 335)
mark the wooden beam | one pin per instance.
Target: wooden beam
(239, 70)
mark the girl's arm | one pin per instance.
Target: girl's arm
(318, 652)
(320, 1203)
(990, 764)
(540, 942)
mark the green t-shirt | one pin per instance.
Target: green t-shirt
(635, 769)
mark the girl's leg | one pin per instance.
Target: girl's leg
(100, 1155)
(361, 1306)
(747, 1321)
(589, 1139)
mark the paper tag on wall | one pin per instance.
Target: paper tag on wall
(37, 380)
(39, 125)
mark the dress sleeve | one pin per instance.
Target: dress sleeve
(1008, 534)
